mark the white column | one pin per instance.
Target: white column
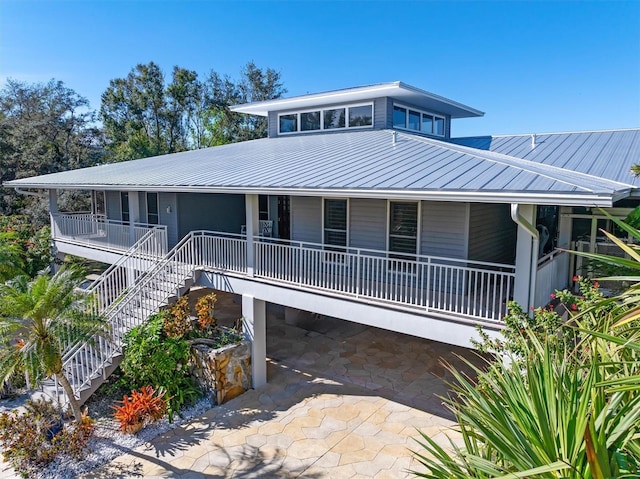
(524, 282)
(53, 211)
(254, 319)
(134, 214)
(564, 227)
(252, 224)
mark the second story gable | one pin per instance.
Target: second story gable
(387, 105)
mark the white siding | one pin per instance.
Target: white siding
(306, 219)
(368, 223)
(492, 233)
(444, 229)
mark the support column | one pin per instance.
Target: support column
(525, 257)
(53, 211)
(565, 229)
(134, 214)
(254, 321)
(253, 228)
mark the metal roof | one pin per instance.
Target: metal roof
(607, 154)
(398, 90)
(364, 163)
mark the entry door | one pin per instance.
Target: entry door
(284, 217)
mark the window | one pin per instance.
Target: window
(335, 222)
(310, 121)
(334, 118)
(354, 116)
(399, 117)
(124, 206)
(361, 115)
(288, 123)
(153, 215)
(263, 207)
(418, 121)
(403, 227)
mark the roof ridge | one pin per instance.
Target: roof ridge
(576, 132)
(513, 161)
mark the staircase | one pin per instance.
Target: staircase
(126, 294)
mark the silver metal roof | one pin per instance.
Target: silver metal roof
(398, 90)
(365, 163)
(607, 154)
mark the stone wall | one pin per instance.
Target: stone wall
(223, 373)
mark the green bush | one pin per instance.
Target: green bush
(34, 438)
(153, 358)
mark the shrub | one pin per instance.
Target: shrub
(142, 407)
(34, 438)
(153, 358)
(178, 322)
(204, 311)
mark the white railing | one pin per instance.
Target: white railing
(552, 275)
(469, 288)
(98, 231)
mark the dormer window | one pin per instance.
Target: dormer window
(351, 116)
(418, 120)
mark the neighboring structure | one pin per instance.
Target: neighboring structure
(359, 206)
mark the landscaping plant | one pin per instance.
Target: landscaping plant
(34, 438)
(564, 404)
(143, 406)
(178, 322)
(204, 311)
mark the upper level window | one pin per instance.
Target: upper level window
(124, 205)
(153, 211)
(403, 227)
(353, 116)
(335, 222)
(417, 120)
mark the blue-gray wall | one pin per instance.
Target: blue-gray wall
(493, 233)
(112, 205)
(444, 229)
(306, 218)
(216, 212)
(368, 223)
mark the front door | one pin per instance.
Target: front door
(284, 217)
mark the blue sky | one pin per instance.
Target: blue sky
(531, 66)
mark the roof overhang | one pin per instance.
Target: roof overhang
(603, 200)
(397, 90)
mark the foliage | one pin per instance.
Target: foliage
(565, 404)
(178, 322)
(204, 310)
(143, 406)
(44, 128)
(40, 317)
(35, 437)
(153, 358)
(23, 248)
(145, 116)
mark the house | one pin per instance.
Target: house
(359, 205)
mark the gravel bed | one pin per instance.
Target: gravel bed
(107, 443)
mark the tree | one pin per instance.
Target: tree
(44, 128)
(255, 84)
(38, 319)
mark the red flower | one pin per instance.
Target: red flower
(574, 306)
(551, 307)
(553, 296)
(531, 308)
(575, 278)
(596, 284)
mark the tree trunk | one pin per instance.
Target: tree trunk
(73, 402)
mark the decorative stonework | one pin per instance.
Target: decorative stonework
(225, 373)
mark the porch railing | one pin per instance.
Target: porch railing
(470, 288)
(98, 231)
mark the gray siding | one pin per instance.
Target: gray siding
(380, 113)
(216, 212)
(493, 233)
(368, 223)
(273, 124)
(306, 219)
(170, 220)
(112, 205)
(444, 229)
(142, 195)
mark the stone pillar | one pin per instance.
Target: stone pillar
(253, 228)
(525, 281)
(254, 321)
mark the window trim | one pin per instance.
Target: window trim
(324, 244)
(408, 108)
(418, 229)
(322, 110)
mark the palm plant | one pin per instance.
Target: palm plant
(11, 263)
(39, 318)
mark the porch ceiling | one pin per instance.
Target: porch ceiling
(365, 163)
